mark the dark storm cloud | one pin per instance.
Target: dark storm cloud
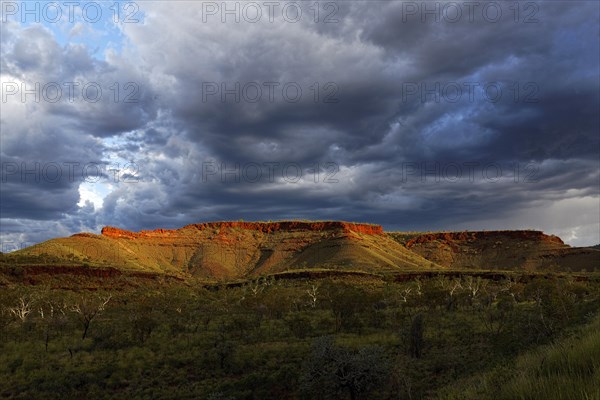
(49, 141)
(370, 93)
(95, 97)
(379, 129)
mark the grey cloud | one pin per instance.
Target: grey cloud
(371, 133)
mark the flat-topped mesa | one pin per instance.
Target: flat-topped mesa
(473, 235)
(113, 232)
(265, 227)
(288, 226)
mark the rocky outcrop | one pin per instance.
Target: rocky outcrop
(85, 234)
(238, 249)
(526, 250)
(470, 236)
(263, 227)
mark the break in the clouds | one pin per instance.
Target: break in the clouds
(414, 115)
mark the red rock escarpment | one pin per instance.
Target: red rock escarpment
(265, 227)
(452, 237)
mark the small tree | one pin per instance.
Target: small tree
(23, 308)
(417, 329)
(346, 302)
(336, 372)
(142, 325)
(223, 351)
(475, 286)
(313, 294)
(87, 309)
(53, 318)
(496, 317)
(256, 288)
(452, 288)
(5, 320)
(299, 324)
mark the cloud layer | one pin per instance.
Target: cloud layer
(416, 117)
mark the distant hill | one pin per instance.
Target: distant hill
(234, 250)
(226, 250)
(500, 250)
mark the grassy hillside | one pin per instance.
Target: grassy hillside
(500, 250)
(232, 250)
(237, 250)
(567, 369)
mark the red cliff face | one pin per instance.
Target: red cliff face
(118, 233)
(121, 233)
(452, 237)
(265, 227)
(288, 226)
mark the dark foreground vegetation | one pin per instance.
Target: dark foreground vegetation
(331, 338)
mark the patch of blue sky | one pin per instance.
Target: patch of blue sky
(98, 25)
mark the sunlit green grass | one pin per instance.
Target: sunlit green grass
(566, 370)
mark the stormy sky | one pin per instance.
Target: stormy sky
(414, 115)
